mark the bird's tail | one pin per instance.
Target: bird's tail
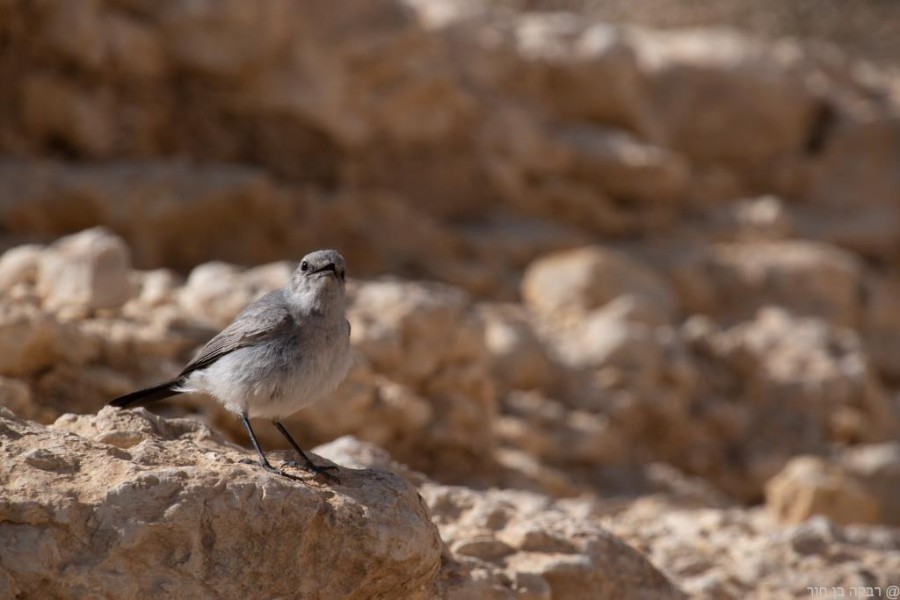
(151, 394)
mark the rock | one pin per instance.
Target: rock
(216, 292)
(547, 430)
(561, 62)
(513, 544)
(716, 553)
(135, 50)
(15, 395)
(216, 40)
(370, 407)
(570, 174)
(805, 277)
(538, 548)
(814, 536)
(54, 108)
(74, 32)
(348, 451)
(689, 397)
(395, 323)
(193, 206)
(518, 357)
(610, 337)
(878, 466)
(20, 265)
(86, 271)
(166, 497)
(32, 340)
(157, 287)
(578, 281)
(852, 183)
(515, 241)
(881, 323)
(809, 486)
(210, 294)
(428, 338)
(722, 98)
(823, 364)
(623, 166)
(789, 371)
(859, 485)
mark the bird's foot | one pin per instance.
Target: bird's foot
(324, 471)
(271, 469)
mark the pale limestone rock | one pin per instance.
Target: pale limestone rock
(157, 287)
(561, 61)
(370, 407)
(518, 357)
(775, 387)
(739, 553)
(733, 281)
(572, 175)
(853, 184)
(551, 432)
(32, 340)
(622, 165)
(173, 213)
(720, 97)
(429, 338)
(859, 485)
(538, 547)
(578, 281)
(804, 358)
(86, 271)
(169, 509)
(20, 265)
(395, 324)
(15, 394)
(880, 325)
(596, 177)
(211, 294)
(608, 338)
(810, 486)
(509, 544)
(216, 292)
(878, 466)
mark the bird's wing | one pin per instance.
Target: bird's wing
(264, 319)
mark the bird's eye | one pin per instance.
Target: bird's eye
(304, 266)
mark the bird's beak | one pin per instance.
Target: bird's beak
(328, 267)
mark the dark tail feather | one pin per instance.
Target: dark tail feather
(142, 397)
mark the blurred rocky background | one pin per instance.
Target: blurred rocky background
(625, 294)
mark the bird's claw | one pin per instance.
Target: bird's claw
(325, 471)
(281, 472)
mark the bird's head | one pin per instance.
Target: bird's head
(318, 280)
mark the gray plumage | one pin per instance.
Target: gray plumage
(282, 353)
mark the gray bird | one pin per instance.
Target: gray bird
(284, 352)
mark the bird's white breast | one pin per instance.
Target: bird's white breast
(279, 377)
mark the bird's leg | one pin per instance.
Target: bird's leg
(263, 461)
(308, 464)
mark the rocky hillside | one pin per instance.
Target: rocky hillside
(625, 303)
